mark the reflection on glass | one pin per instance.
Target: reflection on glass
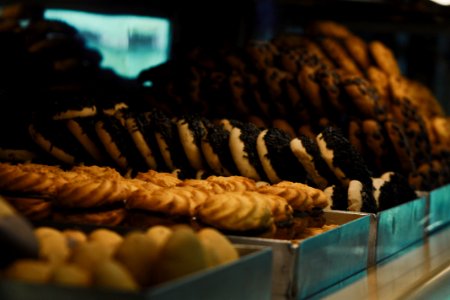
(128, 44)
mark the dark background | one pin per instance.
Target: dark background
(417, 31)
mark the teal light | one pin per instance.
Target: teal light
(128, 44)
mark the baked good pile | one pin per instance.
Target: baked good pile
(103, 258)
(323, 109)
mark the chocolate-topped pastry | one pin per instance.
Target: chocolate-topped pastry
(277, 159)
(338, 197)
(242, 144)
(118, 143)
(360, 197)
(191, 131)
(54, 138)
(83, 129)
(216, 150)
(140, 128)
(169, 143)
(392, 190)
(69, 104)
(346, 163)
(308, 154)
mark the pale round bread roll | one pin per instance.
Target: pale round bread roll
(138, 253)
(218, 249)
(29, 271)
(52, 245)
(182, 254)
(111, 274)
(108, 238)
(70, 274)
(159, 234)
(90, 254)
(74, 237)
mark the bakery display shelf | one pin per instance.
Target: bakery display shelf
(249, 277)
(439, 208)
(397, 228)
(304, 268)
(421, 271)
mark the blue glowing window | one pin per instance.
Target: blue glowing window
(128, 44)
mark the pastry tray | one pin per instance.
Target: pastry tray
(439, 209)
(397, 228)
(249, 277)
(305, 268)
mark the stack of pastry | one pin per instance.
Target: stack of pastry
(100, 195)
(105, 259)
(327, 76)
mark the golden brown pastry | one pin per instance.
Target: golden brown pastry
(300, 197)
(31, 208)
(90, 193)
(175, 201)
(282, 212)
(98, 172)
(159, 178)
(13, 179)
(233, 183)
(110, 217)
(235, 211)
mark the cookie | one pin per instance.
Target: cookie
(83, 129)
(376, 143)
(284, 126)
(346, 163)
(261, 54)
(191, 132)
(384, 58)
(140, 129)
(216, 150)
(328, 28)
(169, 143)
(400, 145)
(339, 56)
(380, 82)
(54, 138)
(360, 197)
(277, 159)
(308, 154)
(114, 137)
(363, 97)
(242, 143)
(356, 136)
(329, 81)
(358, 50)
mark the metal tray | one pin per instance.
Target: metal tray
(439, 208)
(397, 228)
(249, 277)
(303, 269)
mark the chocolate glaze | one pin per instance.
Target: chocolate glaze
(345, 156)
(283, 161)
(218, 138)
